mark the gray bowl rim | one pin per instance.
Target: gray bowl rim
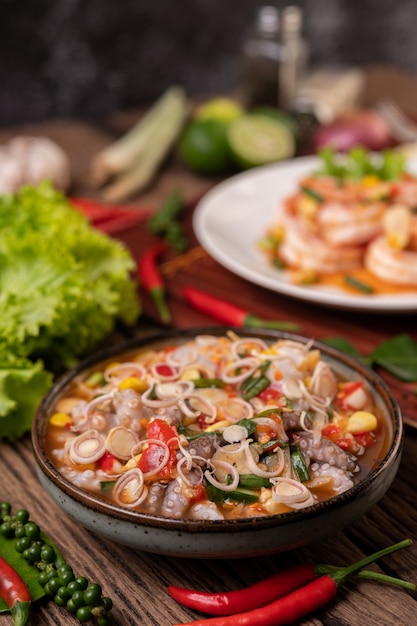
(102, 507)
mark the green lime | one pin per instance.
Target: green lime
(258, 139)
(204, 148)
(220, 109)
(276, 114)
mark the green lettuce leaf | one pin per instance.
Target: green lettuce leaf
(63, 287)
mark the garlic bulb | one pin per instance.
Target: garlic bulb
(29, 160)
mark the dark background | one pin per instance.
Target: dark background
(87, 58)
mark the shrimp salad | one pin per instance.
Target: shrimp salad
(216, 427)
(352, 224)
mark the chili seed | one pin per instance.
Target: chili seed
(84, 613)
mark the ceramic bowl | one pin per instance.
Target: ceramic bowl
(230, 538)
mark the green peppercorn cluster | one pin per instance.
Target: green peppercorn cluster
(83, 599)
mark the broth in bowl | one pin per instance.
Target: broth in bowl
(217, 427)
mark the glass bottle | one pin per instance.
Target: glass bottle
(261, 59)
(294, 56)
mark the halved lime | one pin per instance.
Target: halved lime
(219, 109)
(258, 139)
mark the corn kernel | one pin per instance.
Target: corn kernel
(135, 383)
(60, 419)
(361, 422)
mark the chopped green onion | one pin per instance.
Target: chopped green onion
(358, 284)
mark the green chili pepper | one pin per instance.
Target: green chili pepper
(299, 463)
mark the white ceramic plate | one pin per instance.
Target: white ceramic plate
(230, 220)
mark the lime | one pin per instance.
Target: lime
(276, 114)
(258, 139)
(204, 148)
(220, 109)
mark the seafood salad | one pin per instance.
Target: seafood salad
(352, 224)
(216, 427)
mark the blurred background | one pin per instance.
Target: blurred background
(85, 59)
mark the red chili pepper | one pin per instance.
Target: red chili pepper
(14, 593)
(259, 594)
(150, 277)
(303, 600)
(108, 218)
(153, 454)
(228, 313)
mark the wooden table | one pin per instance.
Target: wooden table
(137, 581)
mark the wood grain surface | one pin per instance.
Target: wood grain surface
(136, 580)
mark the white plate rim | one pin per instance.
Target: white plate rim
(219, 236)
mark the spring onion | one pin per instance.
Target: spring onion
(128, 165)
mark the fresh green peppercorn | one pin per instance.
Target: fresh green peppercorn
(22, 516)
(47, 554)
(5, 508)
(107, 603)
(73, 585)
(84, 614)
(20, 531)
(33, 553)
(92, 595)
(105, 621)
(23, 544)
(64, 593)
(6, 530)
(66, 577)
(32, 530)
(52, 574)
(78, 599)
(53, 585)
(43, 578)
(60, 601)
(72, 608)
(82, 581)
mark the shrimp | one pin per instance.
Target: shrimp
(306, 251)
(393, 255)
(350, 224)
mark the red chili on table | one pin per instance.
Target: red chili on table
(286, 609)
(14, 592)
(228, 313)
(151, 279)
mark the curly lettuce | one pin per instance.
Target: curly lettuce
(63, 287)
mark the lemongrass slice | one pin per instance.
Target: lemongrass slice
(120, 442)
(130, 489)
(291, 493)
(87, 448)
